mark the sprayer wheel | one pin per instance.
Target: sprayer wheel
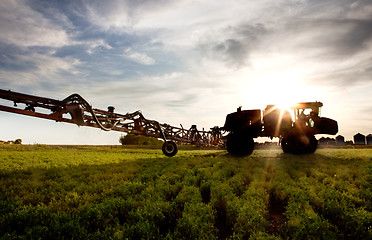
(239, 144)
(170, 148)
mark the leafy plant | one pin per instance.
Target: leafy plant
(87, 192)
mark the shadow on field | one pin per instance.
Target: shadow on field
(276, 210)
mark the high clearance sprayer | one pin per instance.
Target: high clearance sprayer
(295, 131)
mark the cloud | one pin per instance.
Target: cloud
(360, 9)
(93, 45)
(138, 57)
(39, 71)
(315, 30)
(368, 111)
(22, 26)
(334, 28)
(347, 74)
(334, 38)
(332, 49)
(338, 50)
(28, 44)
(119, 16)
(232, 45)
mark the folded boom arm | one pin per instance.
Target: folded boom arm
(75, 109)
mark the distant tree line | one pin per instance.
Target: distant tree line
(132, 139)
(17, 141)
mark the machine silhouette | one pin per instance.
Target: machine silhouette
(296, 132)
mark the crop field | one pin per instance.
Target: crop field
(72, 192)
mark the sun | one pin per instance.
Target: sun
(283, 89)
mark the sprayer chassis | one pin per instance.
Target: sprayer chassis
(296, 132)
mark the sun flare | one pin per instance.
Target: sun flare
(283, 89)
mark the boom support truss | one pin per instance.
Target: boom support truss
(75, 109)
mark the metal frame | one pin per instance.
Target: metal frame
(75, 109)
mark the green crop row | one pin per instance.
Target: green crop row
(115, 193)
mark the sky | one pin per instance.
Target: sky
(185, 62)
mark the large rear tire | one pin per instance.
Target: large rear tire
(239, 144)
(170, 148)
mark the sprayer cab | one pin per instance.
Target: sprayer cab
(308, 115)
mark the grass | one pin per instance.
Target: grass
(79, 192)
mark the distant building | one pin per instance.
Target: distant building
(359, 139)
(369, 139)
(340, 140)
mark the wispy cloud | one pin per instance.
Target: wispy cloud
(138, 57)
(22, 26)
(119, 16)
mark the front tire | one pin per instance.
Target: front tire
(239, 144)
(286, 145)
(299, 143)
(170, 148)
